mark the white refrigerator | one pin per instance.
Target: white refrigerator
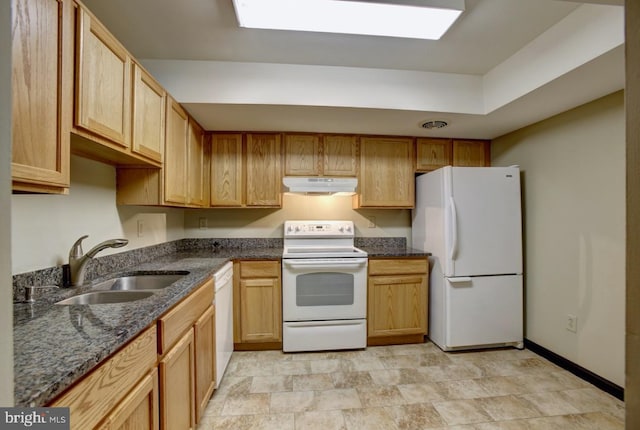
(470, 219)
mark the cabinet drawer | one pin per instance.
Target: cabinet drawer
(259, 269)
(97, 394)
(397, 266)
(173, 324)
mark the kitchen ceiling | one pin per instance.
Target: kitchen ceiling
(503, 65)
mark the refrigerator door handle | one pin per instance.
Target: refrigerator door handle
(460, 280)
(454, 229)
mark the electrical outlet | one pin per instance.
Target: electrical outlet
(572, 323)
(140, 228)
(202, 222)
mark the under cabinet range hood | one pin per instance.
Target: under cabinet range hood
(319, 186)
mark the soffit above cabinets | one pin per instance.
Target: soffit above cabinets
(503, 65)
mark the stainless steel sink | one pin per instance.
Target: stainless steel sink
(146, 282)
(105, 297)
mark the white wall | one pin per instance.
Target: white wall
(6, 292)
(574, 208)
(227, 223)
(46, 226)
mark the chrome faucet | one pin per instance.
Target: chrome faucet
(78, 261)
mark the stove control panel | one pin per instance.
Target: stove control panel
(318, 228)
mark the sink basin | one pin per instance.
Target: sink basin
(145, 282)
(105, 297)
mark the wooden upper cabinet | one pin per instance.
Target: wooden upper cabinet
(226, 181)
(42, 94)
(103, 87)
(316, 155)
(302, 155)
(432, 154)
(175, 165)
(263, 170)
(197, 169)
(149, 104)
(340, 155)
(471, 153)
(386, 173)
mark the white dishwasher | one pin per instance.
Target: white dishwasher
(224, 318)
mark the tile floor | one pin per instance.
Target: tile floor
(406, 387)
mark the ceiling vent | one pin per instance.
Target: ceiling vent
(436, 123)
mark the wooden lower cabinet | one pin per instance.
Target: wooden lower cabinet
(106, 392)
(397, 300)
(258, 312)
(205, 355)
(177, 384)
(139, 410)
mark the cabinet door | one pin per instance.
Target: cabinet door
(397, 305)
(471, 153)
(175, 165)
(205, 354)
(139, 410)
(149, 104)
(103, 93)
(261, 310)
(432, 154)
(386, 173)
(42, 88)
(177, 391)
(196, 190)
(226, 170)
(263, 170)
(340, 155)
(302, 155)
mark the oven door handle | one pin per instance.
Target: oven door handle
(324, 323)
(352, 263)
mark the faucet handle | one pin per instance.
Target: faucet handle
(76, 249)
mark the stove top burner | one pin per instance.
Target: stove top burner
(320, 239)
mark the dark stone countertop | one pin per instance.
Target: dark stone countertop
(399, 252)
(55, 345)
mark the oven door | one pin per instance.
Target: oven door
(324, 289)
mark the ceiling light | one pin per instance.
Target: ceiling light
(417, 19)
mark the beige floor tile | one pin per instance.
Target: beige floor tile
(255, 368)
(351, 379)
(292, 401)
(406, 387)
(327, 366)
(365, 363)
(462, 389)
(439, 359)
(380, 395)
(502, 385)
(251, 404)
(337, 399)
(456, 412)
(400, 362)
(315, 382)
(420, 393)
(234, 386)
(550, 403)
(508, 408)
(594, 400)
(292, 367)
(369, 419)
(416, 417)
(320, 420)
(597, 421)
(451, 372)
(397, 376)
(271, 384)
